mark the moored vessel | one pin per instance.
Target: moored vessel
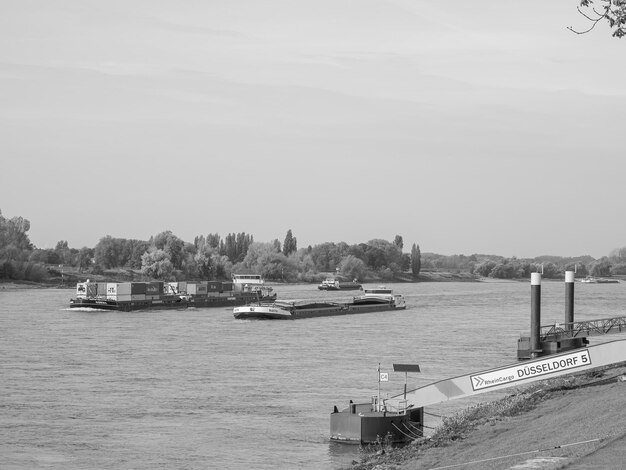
(336, 284)
(372, 300)
(128, 296)
(599, 280)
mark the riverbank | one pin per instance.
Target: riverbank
(126, 276)
(32, 285)
(573, 422)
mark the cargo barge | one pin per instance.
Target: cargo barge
(129, 296)
(372, 300)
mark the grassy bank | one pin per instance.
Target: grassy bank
(565, 420)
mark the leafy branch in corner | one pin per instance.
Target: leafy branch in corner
(614, 11)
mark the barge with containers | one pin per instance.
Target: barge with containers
(372, 300)
(128, 296)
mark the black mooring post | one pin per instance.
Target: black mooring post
(406, 379)
(569, 300)
(535, 313)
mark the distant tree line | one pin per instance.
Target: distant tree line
(552, 267)
(212, 257)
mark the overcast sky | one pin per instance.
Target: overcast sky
(464, 127)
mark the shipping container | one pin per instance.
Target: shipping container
(81, 290)
(124, 288)
(102, 289)
(137, 288)
(227, 286)
(197, 288)
(214, 286)
(154, 288)
(92, 290)
(111, 290)
(182, 286)
(138, 297)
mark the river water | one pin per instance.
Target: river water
(197, 389)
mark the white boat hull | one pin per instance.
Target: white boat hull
(269, 312)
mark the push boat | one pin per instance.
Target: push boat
(129, 296)
(334, 284)
(373, 300)
(598, 280)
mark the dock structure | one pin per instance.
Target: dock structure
(582, 329)
(401, 417)
(559, 337)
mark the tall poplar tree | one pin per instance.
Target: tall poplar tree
(416, 262)
(290, 244)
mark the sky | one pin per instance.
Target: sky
(463, 127)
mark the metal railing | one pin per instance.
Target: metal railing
(582, 329)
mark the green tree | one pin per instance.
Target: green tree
(398, 242)
(14, 242)
(618, 269)
(157, 264)
(106, 252)
(416, 260)
(602, 267)
(204, 259)
(262, 258)
(484, 269)
(504, 271)
(172, 245)
(84, 258)
(235, 246)
(63, 251)
(353, 268)
(290, 245)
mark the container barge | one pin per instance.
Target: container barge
(128, 296)
(372, 300)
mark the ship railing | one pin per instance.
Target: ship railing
(400, 406)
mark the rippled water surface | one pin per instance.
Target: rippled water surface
(196, 389)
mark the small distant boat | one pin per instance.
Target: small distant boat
(334, 284)
(599, 280)
(372, 300)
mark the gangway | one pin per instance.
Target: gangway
(490, 380)
(400, 416)
(582, 329)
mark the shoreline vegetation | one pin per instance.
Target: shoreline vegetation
(574, 422)
(211, 257)
(71, 278)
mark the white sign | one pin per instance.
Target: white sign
(524, 371)
(384, 377)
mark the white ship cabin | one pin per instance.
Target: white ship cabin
(379, 292)
(248, 279)
(247, 282)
